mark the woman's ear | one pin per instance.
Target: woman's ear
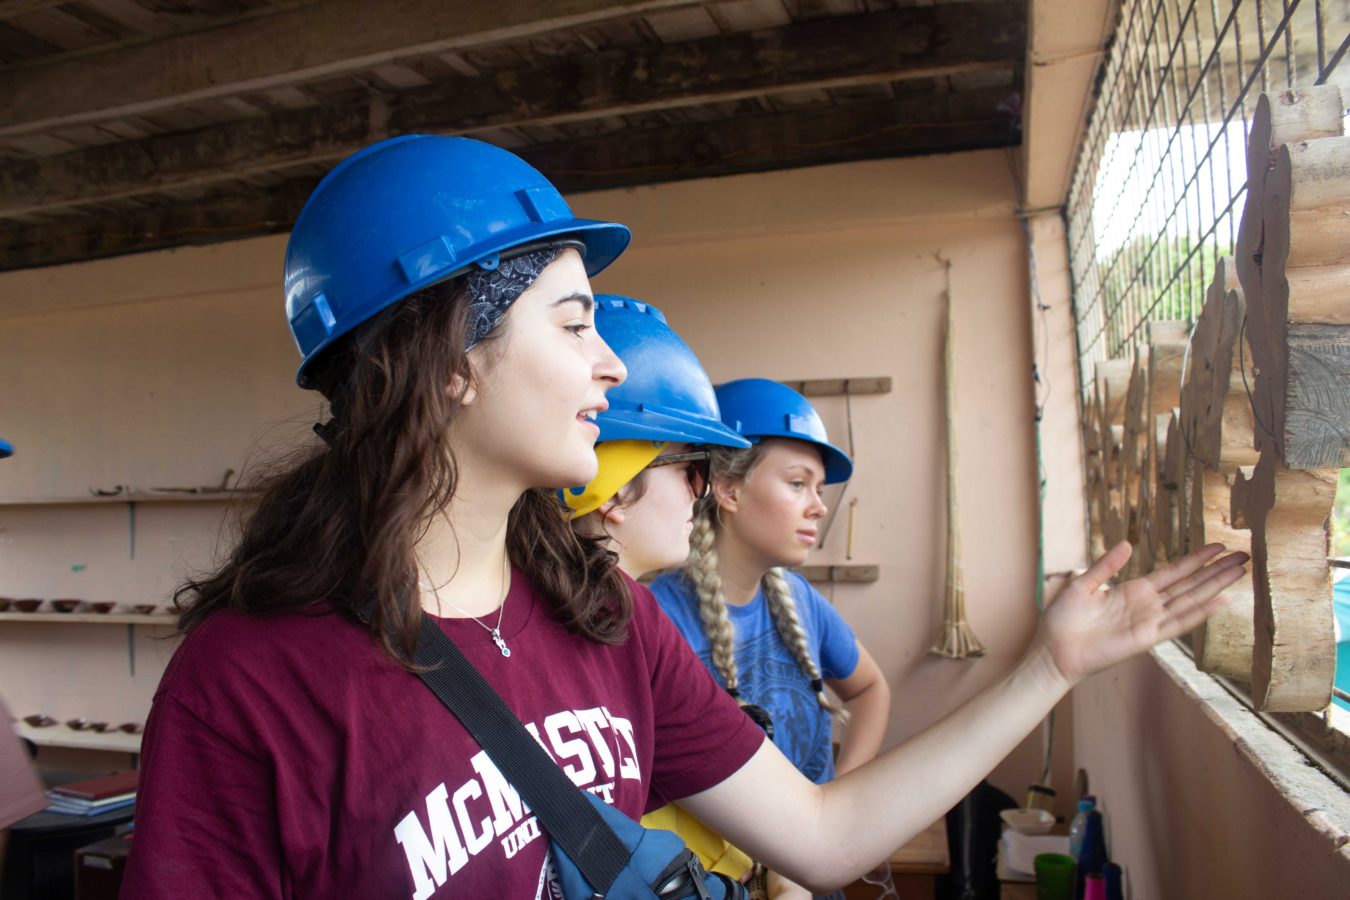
(610, 511)
(461, 389)
(728, 495)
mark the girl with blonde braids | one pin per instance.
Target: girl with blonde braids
(769, 637)
(766, 634)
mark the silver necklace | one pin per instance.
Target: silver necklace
(495, 632)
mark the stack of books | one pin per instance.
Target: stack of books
(94, 795)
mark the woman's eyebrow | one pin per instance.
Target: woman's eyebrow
(576, 297)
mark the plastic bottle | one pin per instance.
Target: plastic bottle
(1092, 854)
(1085, 803)
(1114, 881)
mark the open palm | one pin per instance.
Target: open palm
(1090, 626)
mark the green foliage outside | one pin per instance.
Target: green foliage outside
(1139, 284)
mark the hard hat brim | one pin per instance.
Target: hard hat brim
(648, 424)
(838, 466)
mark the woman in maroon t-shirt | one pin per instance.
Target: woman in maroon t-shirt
(437, 290)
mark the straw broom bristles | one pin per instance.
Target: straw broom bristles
(955, 639)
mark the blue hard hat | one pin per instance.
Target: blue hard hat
(6, 448)
(403, 214)
(667, 395)
(759, 408)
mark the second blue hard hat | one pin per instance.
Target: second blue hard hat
(408, 212)
(758, 408)
(667, 395)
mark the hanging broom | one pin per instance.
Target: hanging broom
(955, 640)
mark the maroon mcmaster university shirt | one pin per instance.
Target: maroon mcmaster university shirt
(288, 756)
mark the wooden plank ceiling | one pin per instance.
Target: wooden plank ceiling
(129, 125)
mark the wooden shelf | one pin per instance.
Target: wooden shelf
(90, 618)
(844, 574)
(129, 497)
(61, 736)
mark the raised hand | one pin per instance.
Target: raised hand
(1091, 626)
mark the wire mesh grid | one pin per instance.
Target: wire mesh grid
(1160, 181)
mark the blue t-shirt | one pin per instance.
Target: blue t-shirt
(769, 676)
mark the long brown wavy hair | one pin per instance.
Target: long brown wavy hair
(337, 523)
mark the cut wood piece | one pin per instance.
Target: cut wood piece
(1092, 466)
(1319, 295)
(1175, 469)
(1109, 491)
(1113, 526)
(1294, 659)
(1316, 426)
(1198, 378)
(1231, 438)
(1113, 452)
(1158, 448)
(1133, 443)
(1300, 396)
(1112, 380)
(1174, 463)
(1302, 400)
(1313, 178)
(1223, 644)
(1307, 113)
(1145, 547)
(1250, 237)
(1098, 503)
(1189, 493)
(1164, 518)
(1092, 437)
(1166, 351)
(1280, 118)
(1163, 494)
(1218, 352)
(1226, 437)
(1240, 496)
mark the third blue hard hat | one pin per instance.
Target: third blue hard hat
(667, 395)
(759, 408)
(411, 211)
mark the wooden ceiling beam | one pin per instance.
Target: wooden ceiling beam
(916, 124)
(238, 214)
(12, 9)
(299, 43)
(909, 126)
(820, 54)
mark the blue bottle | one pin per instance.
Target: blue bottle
(1092, 856)
(1114, 882)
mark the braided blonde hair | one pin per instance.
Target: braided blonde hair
(701, 568)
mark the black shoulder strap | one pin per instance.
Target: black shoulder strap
(566, 815)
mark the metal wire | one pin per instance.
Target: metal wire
(1159, 183)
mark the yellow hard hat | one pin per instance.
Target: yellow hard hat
(620, 462)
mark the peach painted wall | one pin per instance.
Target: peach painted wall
(1189, 812)
(168, 368)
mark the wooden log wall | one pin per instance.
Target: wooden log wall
(1233, 429)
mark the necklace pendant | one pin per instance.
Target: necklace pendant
(500, 642)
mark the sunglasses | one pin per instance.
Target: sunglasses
(698, 469)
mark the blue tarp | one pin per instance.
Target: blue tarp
(1341, 604)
